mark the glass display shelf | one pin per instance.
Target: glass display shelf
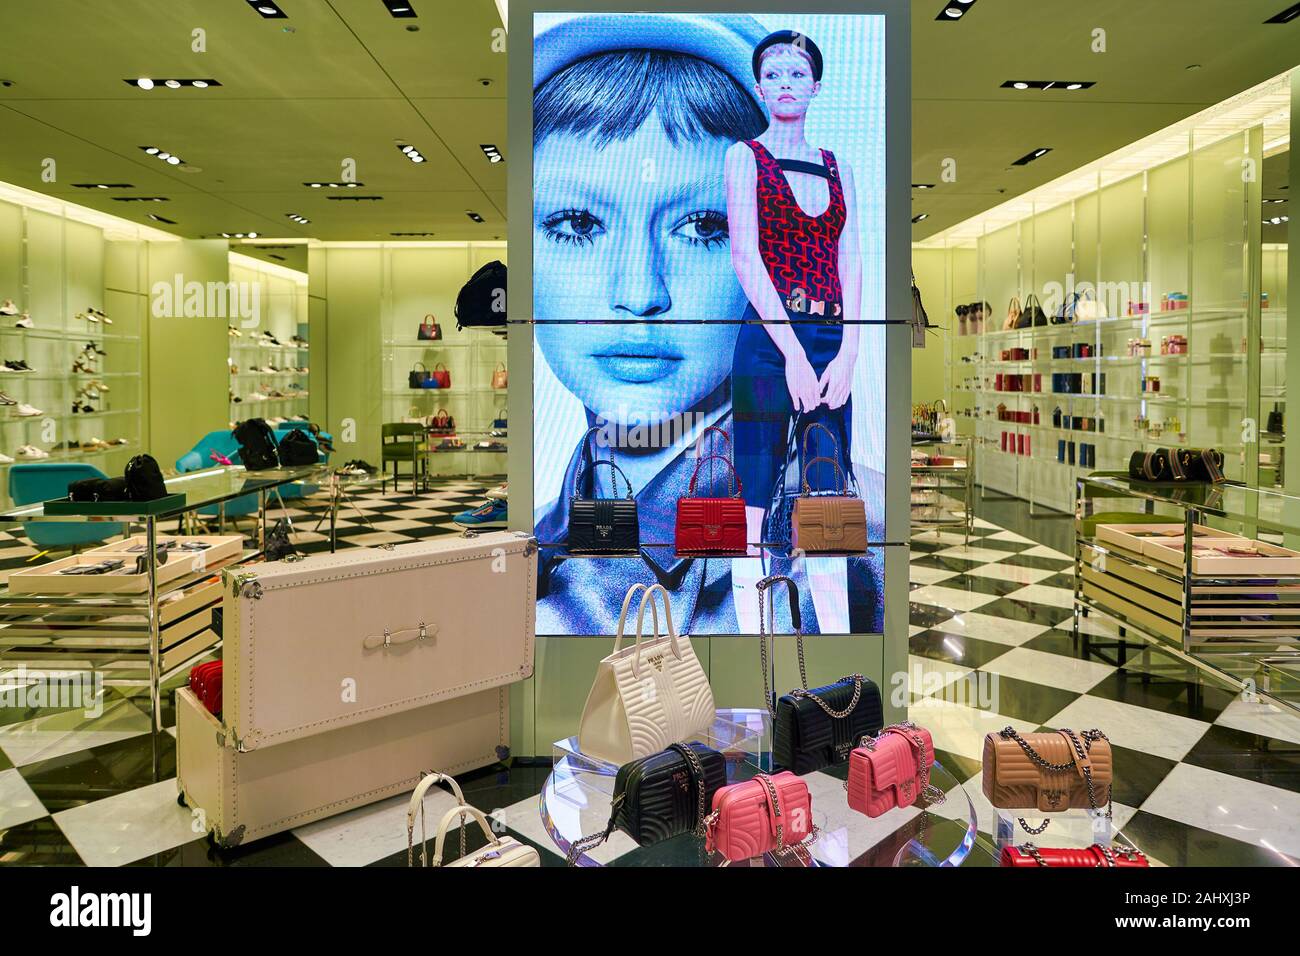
(575, 801)
(1229, 500)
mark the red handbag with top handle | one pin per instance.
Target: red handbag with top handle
(765, 813)
(441, 375)
(892, 770)
(712, 526)
(1096, 855)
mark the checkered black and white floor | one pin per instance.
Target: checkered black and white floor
(1202, 776)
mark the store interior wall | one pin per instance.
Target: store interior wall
(1291, 476)
(187, 374)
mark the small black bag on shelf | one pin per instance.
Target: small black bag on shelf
(296, 448)
(257, 448)
(144, 480)
(1150, 466)
(98, 489)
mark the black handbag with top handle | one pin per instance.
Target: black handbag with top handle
(813, 729)
(603, 525)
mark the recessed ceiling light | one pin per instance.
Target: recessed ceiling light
(473, 215)
(1030, 157)
(141, 199)
(1269, 201)
(1074, 86)
(923, 216)
(268, 9)
(1071, 85)
(173, 84)
(409, 234)
(922, 185)
(170, 158)
(1021, 86)
(411, 153)
(102, 186)
(355, 198)
(201, 84)
(144, 83)
(400, 9)
(331, 185)
(155, 218)
(955, 10)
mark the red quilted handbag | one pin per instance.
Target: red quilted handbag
(205, 682)
(441, 375)
(1094, 856)
(759, 815)
(711, 526)
(892, 770)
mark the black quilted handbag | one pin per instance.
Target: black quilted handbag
(1195, 464)
(660, 796)
(603, 525)
(813, 729)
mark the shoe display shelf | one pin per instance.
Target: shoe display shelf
(249, 352)
(471, 358)
(72, 415)
(1238, 614)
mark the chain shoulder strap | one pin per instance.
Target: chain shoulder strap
(1082, 744)
(696, 773)
(768, 613)
(776, 807)
(593, 840)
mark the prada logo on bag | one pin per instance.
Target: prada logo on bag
(683, 781)
(843, 750)
(713, 530)
(906, 787)
(1053, 796)
(657, 662)
(604, 530)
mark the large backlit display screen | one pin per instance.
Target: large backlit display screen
(708, 253)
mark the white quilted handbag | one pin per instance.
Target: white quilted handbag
(417, 803)
(647, 696)
(500, 851)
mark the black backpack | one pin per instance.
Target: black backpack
(296, 448)
(482, 301)
(257, 448)
(144, 480)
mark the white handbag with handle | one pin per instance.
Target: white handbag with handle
(500, 851)
(417, 802)
(647, 696)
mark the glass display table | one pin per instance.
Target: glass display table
(117, 636)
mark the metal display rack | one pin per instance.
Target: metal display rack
(935, 488)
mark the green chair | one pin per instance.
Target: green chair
(403, 442)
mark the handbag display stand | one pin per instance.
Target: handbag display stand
(576, 798)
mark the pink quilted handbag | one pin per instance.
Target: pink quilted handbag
(762, 814)
(892, 770)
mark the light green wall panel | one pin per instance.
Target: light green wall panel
(1052, 232)
(1122, 246)
(11, 255)
(85, 269)
(354, 286)
(188, 378)
(1168, 228)
(47, 300)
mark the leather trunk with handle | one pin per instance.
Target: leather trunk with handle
(747, 821)
(402, 628)
(245, 796)
(1014, 781)
(891, 770)
(1093, 856)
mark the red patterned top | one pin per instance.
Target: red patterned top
(800, 251)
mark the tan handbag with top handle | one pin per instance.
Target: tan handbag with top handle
(500, 378)
(834, 522)
(1047, 772)
(1013, 313)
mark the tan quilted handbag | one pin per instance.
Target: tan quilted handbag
(1057, 770)
(833, 522)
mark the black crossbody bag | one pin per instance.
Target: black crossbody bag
(813, 729)
(603, 525)
(661, 796)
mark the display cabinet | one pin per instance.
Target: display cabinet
(270, 357)
(1156, 350)
(942, 486)
(1199, 568)
(72, 354)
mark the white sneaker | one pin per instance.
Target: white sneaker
(27, 411)
(25, 322)
(31, 452)
(5, 459)
(8, 308)
(498, 493)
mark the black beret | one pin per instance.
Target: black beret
(798, 40)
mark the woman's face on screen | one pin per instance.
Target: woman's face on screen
(634, 234)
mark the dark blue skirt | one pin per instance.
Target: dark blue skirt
(762, 410)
